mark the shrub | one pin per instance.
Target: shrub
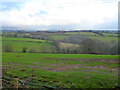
(24, 50)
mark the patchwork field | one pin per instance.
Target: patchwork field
(61, 70)
(62, 36)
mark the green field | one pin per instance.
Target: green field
(61, 70)
(58, 37)
(22, 39)
(81, 33)
(19, 43)
(107, 36)
(42, 68)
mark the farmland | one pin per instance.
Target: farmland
(60, 59)
(19, 43)
(62, 70)
(46, 42)
(60, 44)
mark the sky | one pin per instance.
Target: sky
(60, 14)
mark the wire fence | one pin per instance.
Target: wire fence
(17, 83)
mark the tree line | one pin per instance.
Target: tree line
(90, 46)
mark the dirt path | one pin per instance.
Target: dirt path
(59, 67)
(90, 60)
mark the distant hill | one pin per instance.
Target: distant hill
(14, 29)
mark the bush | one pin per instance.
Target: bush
(24, 50)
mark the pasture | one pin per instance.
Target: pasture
(61, 70)
(48, 60)
(18, 44)
(107, 37)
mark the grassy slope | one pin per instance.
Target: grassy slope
(22, 39)
(107, 36)
(58, 37)
(81, 33)
(0, 44)
(19, 43)
(77, 77)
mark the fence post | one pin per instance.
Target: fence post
(1, 84)
(16, 83)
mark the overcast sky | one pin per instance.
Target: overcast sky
(60, 14)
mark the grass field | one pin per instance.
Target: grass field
(106, 38)
(58, 70)
(62, 70)
(81, 33)
(19, 43)
(22, 39)
(58, 37)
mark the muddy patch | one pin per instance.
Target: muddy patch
(91, 60)
(76, 66)
(67, 67)
(59, 67)
(98, 67)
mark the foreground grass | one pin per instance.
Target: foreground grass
(62, 70)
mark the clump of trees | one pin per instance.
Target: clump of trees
(57, 48)
(75, 39)
(90, 46)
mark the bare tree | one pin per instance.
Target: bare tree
(56, 44)
(88, 46)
